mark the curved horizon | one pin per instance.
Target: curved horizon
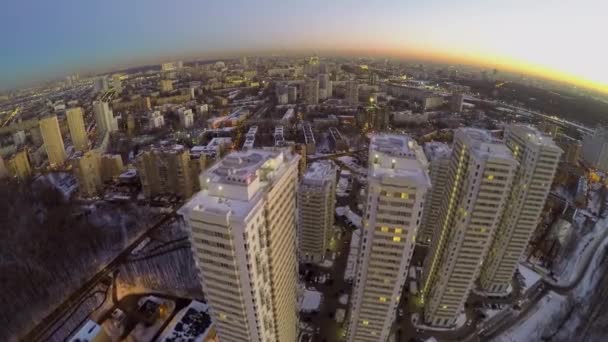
(550, 40)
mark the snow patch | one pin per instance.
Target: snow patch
(310, 301)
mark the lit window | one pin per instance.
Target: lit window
(398, 230)
(396, 239)
(444, 307)
(365, 322)
(483, 230)
(384, 229)
(404, 195)
(382, 299)
(490, 177)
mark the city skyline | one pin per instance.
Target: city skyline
(552, 42)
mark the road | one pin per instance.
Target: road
(38, 333)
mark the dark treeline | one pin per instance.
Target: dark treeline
(49, 246)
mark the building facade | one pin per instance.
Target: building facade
(352, 93)
(165, 170)
(18, 165)
(104, 118)
(480, 176)
(316, 207)
(243, 233)
(538, 157)
(53, 142)
(310, 91)
(438, 155)
(397, 184)
(86, 167)
(78, 131)
(595, 149)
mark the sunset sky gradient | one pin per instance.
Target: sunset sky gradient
(560, 39)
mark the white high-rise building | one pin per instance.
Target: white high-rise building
(480, 176)
(438, 154)
(316, 206)
(397, 184)
(352, 93)
(243, 234)
(595, 149)
(538, 157)
(104, 117)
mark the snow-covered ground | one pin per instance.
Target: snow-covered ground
(342, 187)
(343, 299)
(350, 215)
(530, 328)
(545, 318)
(594, 202)
(530, 277)
(310, 301)
(327, 263)
(353, 254)
(350, 162)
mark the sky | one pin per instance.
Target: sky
(560, 39)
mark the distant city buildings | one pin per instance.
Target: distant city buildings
(186, 117)
(480, 175)
(316, 210)
(325, 87)
(245, 216)
(100, 84)
(310, 91)
(111, 167)
(352, 93)
(104, 117)
(457, 102)
(166, 86)
(595, 149)
(397, 184)
(77, 128)
(53, 142)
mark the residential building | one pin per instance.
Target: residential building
(18, 165)
(100, 84)
(111, 167)
(243, 236)
(104, 118)
(538, 157)
(438, 154)
(316, 210)
(480, 176)
(86, 167)
(53, 142)
(457, 102)
(310, 91)
(325, 86)
(352, 93)
(165, 170)
(186, 117)
(292, 94)
(117, 84)
(166, 86)
(397, 184)
(78, 131)
(595, 149)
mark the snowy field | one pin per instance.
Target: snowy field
(310, 300)
(351, 216)
(530, 277)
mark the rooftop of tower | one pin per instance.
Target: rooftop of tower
(395, 156)
(237, 182)
(483, 144)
